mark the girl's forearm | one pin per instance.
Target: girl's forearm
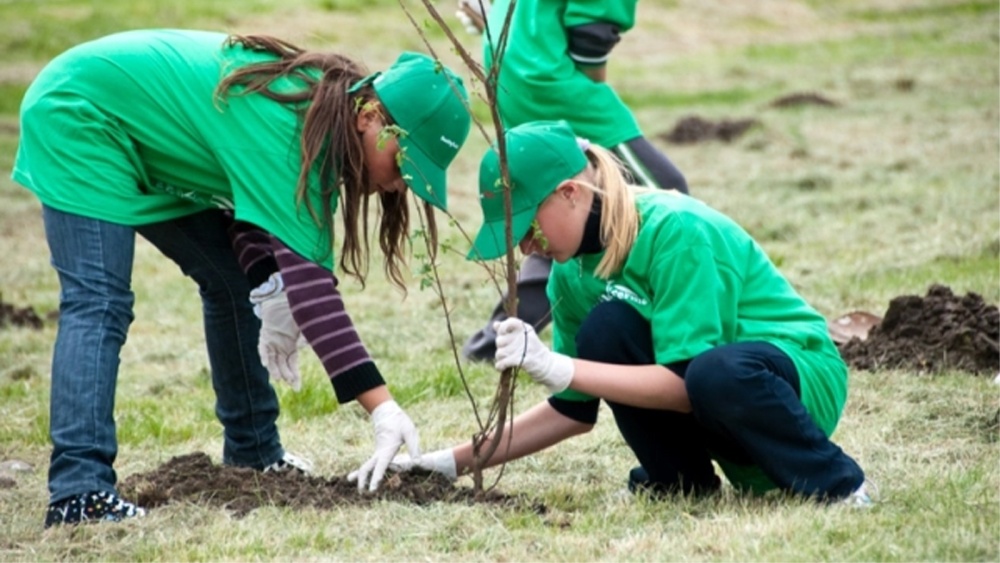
(533, 430)
(651, 386)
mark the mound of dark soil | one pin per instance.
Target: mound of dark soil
(194, 478)
(803, 99)
(12, 315)
(695, 129)
(938, 332)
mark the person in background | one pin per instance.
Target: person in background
(674, 316)
(198, 141)
(554, 67)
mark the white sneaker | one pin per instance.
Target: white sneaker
(290, 462)
(861, 498)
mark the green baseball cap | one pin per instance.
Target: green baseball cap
(540, 156)
(422, 97)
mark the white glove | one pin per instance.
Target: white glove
(392, 428)
(272, 287)
(473, 17)
(280, 337)
(519, 347)
(441, 462)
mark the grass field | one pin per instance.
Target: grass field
(893, 189)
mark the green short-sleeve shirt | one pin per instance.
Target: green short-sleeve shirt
(128, 129)
(538, 79)
(701, 281)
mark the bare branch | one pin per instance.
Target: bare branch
(487, 439)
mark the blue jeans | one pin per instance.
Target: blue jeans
(746, 410)
(93, 259)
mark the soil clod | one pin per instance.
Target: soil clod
(12, 315)
(194, 478)
(694, 129)
(938, 332)
(803, 99)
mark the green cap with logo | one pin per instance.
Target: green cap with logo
(540, 155)
(423, 98)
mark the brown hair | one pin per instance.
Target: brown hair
(330, 146)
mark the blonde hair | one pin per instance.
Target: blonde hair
(607, 177)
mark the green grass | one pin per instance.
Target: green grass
(10, 98)
(35, 30)
(896, 188)
(873, 49)
(929, 10)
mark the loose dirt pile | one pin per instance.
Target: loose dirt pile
(935, 333)
(803, 99)
(696, 129)
(194, 478)
(12, 315)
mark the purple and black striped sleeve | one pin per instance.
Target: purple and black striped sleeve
(253, 250)
(317, 307)
(319, 311)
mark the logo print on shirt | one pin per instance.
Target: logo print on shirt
(614, 291)
(216, 201)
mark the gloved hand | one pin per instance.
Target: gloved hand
(392, 428)
(473, 17)
(280, 337)
(441, 462)
(272, 287)
(519, 346)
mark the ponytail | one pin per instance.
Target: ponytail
(619, 216)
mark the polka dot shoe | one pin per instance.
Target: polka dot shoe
(95, 505)
(290, 462)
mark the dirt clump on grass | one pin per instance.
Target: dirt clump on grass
(194, 478)
(803, 99)
(12, 315)
(694, 129)
(934, 333)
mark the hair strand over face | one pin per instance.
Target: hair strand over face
(332, 153)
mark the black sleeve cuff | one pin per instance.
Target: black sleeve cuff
(261, 270)
(590, 44)
(580, 411)
(355, 381)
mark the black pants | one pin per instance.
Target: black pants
(746, 410)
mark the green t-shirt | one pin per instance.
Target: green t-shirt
(538, 79)
(701, 281)
(127, 129)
